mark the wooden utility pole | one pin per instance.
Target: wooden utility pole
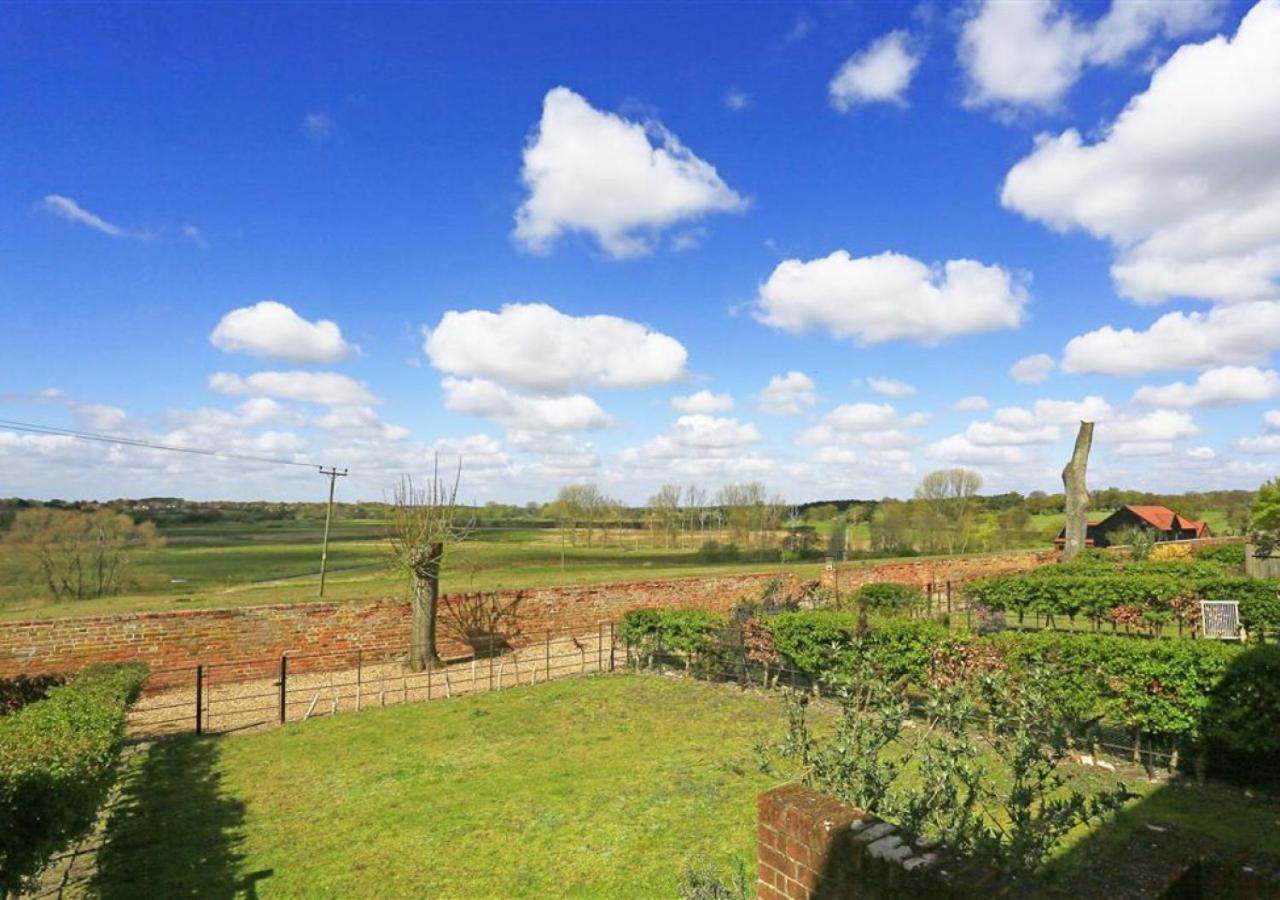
(334, 475)
(1076, 529)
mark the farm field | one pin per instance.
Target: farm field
(590, 787)
(232, 564)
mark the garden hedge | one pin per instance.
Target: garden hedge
(890, 597)
(1156, 598)
(1197, 694)
(57, 761)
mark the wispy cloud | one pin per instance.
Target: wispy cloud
(318, 126)
(71, 211)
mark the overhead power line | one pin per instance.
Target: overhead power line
(32, 428)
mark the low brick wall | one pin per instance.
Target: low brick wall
(937, 569)
(811, 846)
(243, 640)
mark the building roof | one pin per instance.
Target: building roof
(1164, 519)
(1161, 517)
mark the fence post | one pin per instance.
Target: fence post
(548, 655)
(600, 647)
(199, 699)
(360, 678)
(948, 595)
(742, 646)
(491, 648)
(610, 646)
(284, 682)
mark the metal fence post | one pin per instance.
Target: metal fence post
(360, 679)
(491, 647)
(199, 699)
(610, 646)
(284, 680)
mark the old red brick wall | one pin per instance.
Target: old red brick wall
(247, 642)
(812, 846)
(937, 569)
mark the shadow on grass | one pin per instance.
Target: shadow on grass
(1173, 843)
(174, 831)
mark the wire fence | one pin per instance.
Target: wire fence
(259, 693)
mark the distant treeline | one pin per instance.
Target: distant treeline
(1193, 503)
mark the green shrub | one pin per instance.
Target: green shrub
(686, 632)
(57, 760)
(1158, 595)
(1228, 555)
(827, 645)
(640, 625)
(1242, 722)
(891, 597)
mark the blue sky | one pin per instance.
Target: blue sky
(711, 196)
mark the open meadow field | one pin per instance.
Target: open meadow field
(239, 564)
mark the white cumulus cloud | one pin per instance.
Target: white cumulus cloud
(617, 180)
(1032, 369)
(961, 450)
(702, 402)
(535, 346)
(787, 395)
(891, 387)
(478, 397)
(1244, 334)
(890, 296)
(1030, 52)
(1183, 183)
(273, 330)
(972, 403)
(879, 74)
(1226, 386)
(327, 388)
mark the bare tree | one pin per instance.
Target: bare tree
(79, 554)
(951, 499)
(1076, 529)
(424, 520)
(664, 507)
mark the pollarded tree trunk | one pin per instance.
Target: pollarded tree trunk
(1077, 506)
(425, 604)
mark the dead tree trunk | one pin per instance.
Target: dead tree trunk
(426, 601)
(1077, 506)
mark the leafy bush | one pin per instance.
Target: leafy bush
(1152, 597)
(57, 760)
(1230, 556)
(890, 596)
(714, 551)
(829, 645)
(1242, 722)
(686, 632)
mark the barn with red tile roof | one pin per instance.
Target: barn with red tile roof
(1167, 525)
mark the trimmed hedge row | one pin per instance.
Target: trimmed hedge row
(889, 596)
(1220, 698)
(1157, 598)
(57, 761)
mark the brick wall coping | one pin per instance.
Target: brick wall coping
(318, 604)
(812, 846)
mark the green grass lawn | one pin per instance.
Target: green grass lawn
(591, 787)
(594, 787)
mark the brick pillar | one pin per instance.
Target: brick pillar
(813, 847)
